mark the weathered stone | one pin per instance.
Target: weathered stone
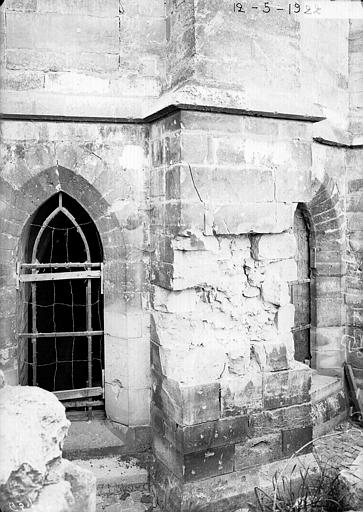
(237, 185)
(275, 353)
(47, 428)
(238, 355)
(222, 432)
(201, 436)
(89, 36)
(225, 493)
(209, 463)
(207, 184)
(56, 496)
(252, 218)
(274, 247)
(258, 450)
(194, 465)
(194, 364)
(75, 491)
(275, 291)
(32, 470)
(328, 412)
(297, 439)
(186, 405)
(267, 422)
(241, 395)
(285, 388)
(174, 302)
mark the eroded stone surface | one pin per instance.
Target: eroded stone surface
(225, 307)
(29, 450)
(33, 426)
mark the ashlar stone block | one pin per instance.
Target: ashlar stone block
(258, 450)
(186, 404)
(201, 436)
(274, 247)
(285, 388)
(241, 395)
(275, 291)
(236, 219)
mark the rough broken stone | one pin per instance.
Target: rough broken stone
(47, 427)
(242, 395)
(196, 365)
(255, 272)
(174, 302)
(56, 497)
(32, 471)
(275, 291)
(279, 352)
(251, 291)
(238, 354)
(284, 270)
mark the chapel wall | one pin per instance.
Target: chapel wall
(105, 168)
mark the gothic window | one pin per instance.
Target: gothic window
(60, 282)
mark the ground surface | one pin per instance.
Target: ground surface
(340, 447)
(122, 482)
(87, 439)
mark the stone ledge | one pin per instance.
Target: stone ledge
(114, 471)
(323, 386)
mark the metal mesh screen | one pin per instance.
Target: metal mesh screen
(63, 296)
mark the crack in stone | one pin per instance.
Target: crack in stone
(194, 185)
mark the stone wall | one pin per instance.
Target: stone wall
(354, 159)
(180, 42)
(265, 58)
(193, 132)
(104, 167)
(96, 58)
(222, 348)
(211, 197)
(354, 332)
(33, 474)
(109, 58)
(355, 78)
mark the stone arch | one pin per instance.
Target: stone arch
(55, 179)
(301, 289)
(325, 218)
(20, 205)
(61, 232)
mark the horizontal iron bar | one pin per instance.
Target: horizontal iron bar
(59, 265)
(83, 403)
(66, 334)
(300, 281)
(301, 328)
(61, 276)
(69, 394)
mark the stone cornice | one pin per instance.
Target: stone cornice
(159, 114)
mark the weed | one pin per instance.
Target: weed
(304, 489)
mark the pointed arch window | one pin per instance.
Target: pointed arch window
(301, 289)
(62, 288)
